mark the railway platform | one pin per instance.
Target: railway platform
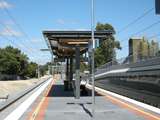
(58, 104)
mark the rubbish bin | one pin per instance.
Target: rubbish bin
(65, 85)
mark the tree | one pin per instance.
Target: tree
(99, 58)
(83, 66)
(106, 51)
(9, 61)
(9, 64)
(44, 68)
(31, 70)
(14, 62)
(158, 54)
(105, 26)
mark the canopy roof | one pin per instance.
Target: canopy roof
(63, 43)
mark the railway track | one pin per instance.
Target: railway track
(144, 96)
(8, 102)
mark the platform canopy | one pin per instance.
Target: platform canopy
(63, 43)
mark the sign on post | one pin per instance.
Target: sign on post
(59, 59)
(157, 6)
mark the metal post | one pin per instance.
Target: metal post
(48, 70)
(71, 72)
(93, 46)
(56, 68)
(77, 82)
(38, 73)
(67, 75)
(52, 72)
(61, 70)
(67, 69)
(157, 6)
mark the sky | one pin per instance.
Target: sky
(22, 21)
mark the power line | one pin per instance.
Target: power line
(146, 28)
(17, 45)
(142, 30)
(18, 26)
(127, 46)
(7, 39)
(4, 37)
(22, 31)
(9, 31)
(137, 19)
(25, 48)
(156, 35)
(28, 49)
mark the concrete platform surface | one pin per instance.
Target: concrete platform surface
(71, 109)
(63, 106)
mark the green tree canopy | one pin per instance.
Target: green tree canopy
(106, 26)
(31, 70)
(14, 62)
(106, 51)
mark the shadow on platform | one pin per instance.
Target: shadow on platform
(58, 91)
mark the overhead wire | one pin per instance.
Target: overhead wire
(146, 28)
(142, 30)
(136, 20)
(13, 35)
(22, 31)
(18, 26)
(12, 42)
(156, 35)
(127, 46)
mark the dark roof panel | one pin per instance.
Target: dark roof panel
(66, 38)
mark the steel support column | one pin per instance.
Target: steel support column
(67, 69)
(77, 81)
(67, 75)
(71, 72)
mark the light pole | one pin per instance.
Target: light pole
(92, 59)
(38, 71)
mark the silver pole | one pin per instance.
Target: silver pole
(93, 46)
(38, 73)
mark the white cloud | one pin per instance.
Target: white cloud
(9, 22)
(81, 29)
(4, 4)
(37, 41)
(61, 21)
(8, 31)
(34, 40)
(21, 45)
(74, 22)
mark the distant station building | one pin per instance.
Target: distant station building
(140, 48)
